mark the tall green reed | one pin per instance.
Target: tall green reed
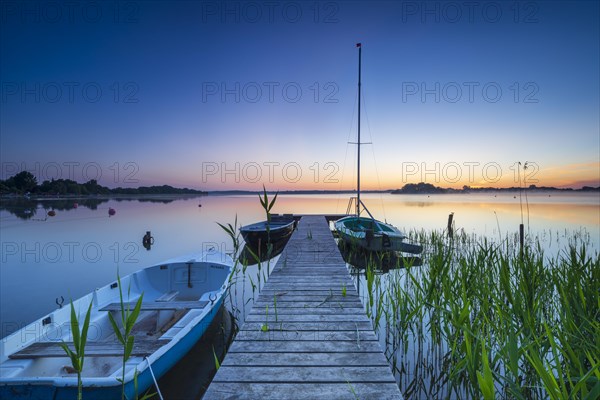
(77, 355)
(478, 320)
(124, 331)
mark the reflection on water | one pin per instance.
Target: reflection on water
(81, 247)
(25, 208)
(382, 262)
(197, 368)
(252, 256)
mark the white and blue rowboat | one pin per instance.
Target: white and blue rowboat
(180, 300)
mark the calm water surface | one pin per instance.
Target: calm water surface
(79, 249)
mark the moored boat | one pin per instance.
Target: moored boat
(259, 234)
(373, 235)
(366, 232)
(180, 299)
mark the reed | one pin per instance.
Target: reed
(124, 333)
(217, 363)
(146, 396)
(481, 320)
(77, 355)
(267, 205)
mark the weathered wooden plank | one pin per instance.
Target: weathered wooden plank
(377, 374)
(308, 281)
(313, 287)
(141, 348)
(294, 292)
(308, 308)
(316, 260)
(308, 266)
(315, 281)
(302, 391)
(293, 261)
(317, 346)
(307, 271)
(305, 359)
(298, 275)
(332, 301)
(325, 295)
(324, 278)
(313, 301)
(309, 314)
(288, 293)
(316, 249)
(281, 332)
(313, 326)
(301, 300)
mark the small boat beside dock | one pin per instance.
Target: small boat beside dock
(180, 299)
(363, 232)
(278, 229)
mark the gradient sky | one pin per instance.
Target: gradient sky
(230, 95)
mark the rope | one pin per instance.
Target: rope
(154, 378)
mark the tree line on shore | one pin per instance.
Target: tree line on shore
(428, 188)
(26, 183)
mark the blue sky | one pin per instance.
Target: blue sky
(231, 95)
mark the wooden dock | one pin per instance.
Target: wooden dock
(317, 342)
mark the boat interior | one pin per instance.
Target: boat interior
(173, 296)
(363, 224)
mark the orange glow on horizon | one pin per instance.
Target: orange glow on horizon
(309, 177)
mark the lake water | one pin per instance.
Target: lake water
(68, 255)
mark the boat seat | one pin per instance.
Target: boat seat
(158, 305)
(141, 348)
(169, 296)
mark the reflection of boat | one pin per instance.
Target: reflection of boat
(379, 261)
(258, 235)
(180, 299)
(367, 232)
(252, 256)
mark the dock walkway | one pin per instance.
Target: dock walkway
(307, 336)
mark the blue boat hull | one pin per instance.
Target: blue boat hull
(144, 379)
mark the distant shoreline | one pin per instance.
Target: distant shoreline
(173, 196)
(24, 184)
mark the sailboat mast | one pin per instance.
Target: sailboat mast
(358, 141)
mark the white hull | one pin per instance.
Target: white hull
(181, 297)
